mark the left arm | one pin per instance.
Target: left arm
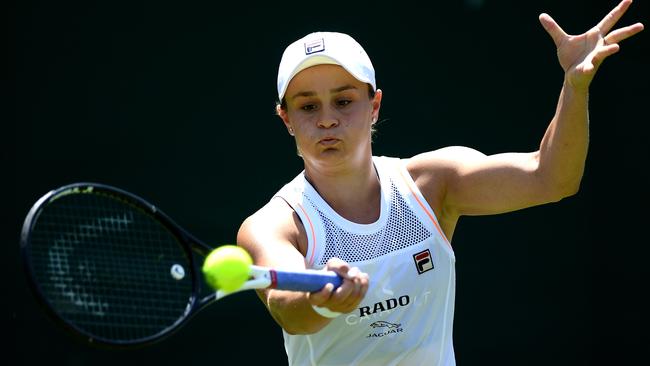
(462, 181)
(563, 150)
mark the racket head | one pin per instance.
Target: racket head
(109, 266)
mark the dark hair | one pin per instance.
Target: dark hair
(283, 102)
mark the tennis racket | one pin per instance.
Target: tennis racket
(116, 271)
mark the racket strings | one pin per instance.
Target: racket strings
(104, 265)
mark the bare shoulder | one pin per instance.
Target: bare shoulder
(442, 162)
(446, 157)
(436, 174)
(271, 233)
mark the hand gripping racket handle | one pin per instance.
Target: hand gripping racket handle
(305, 280)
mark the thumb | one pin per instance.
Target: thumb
(552, 28)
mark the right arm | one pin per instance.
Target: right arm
(275, 238)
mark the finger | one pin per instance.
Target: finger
(610, 19)
(339, 266)
(348, 296)
(350, 288)
(365, 283)
(335, 262)
(353, 272)
(604, 52)
(598, 57)
(341, 296)
(552, 28)
(319, 298)
(623, 33)
(359, 292)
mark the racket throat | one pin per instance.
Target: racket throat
(260, 278)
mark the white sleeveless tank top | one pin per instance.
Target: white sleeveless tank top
(407, 315)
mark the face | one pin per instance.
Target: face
(331, 115)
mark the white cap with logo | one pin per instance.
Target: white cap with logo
(325, 48)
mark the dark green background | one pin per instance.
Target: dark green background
(174, 101)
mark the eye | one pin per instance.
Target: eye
(343, 102)
(309, 107)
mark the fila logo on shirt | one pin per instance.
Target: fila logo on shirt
(423, 261)
(315, 46)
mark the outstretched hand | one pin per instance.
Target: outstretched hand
(581, 55)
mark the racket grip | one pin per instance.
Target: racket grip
(307, 280)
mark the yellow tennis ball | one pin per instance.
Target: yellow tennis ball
(227, 267)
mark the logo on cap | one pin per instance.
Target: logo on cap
(314, 46)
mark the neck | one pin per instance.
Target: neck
(354, 193)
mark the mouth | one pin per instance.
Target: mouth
(328, 141)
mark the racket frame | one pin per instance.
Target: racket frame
(187, 241)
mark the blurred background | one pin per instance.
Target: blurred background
(174, 101)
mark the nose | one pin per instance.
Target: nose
(328, 119)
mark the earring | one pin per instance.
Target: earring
(291, 131)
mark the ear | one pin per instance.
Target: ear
(285, 118)
(376, 105)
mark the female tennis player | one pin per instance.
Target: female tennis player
(386, 224)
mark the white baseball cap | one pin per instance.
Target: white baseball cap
(325, 48)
